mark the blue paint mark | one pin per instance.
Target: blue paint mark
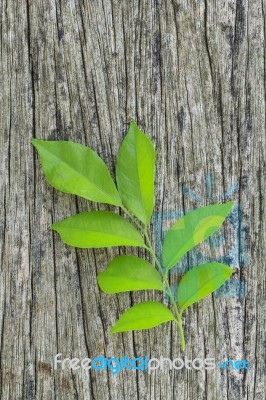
(192, 195)
(209, 182)
(232, 189)
(209, 185)
(232, 288)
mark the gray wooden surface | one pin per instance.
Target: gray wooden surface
(192, 74)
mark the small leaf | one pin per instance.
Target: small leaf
(201, 281)
(135, 173)
(127, 273)
(143, 316)
(192, 229)
(74, 168)
(95, 229)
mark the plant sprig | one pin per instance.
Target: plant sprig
(73, 168)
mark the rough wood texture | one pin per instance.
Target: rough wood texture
(192, 73)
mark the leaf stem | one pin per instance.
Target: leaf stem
(178, 314)
(168, 291)
(136, 222)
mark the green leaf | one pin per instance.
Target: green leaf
(127, 273)
(135, 171)
(143, 316)
(74, 168)
(95, 229)
(192, 229)
(201, 281)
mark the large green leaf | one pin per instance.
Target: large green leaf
(96, 229)
(192, 229)
(74, 168)
(135, 170)
(143, 316)
(201, 281)
(126, 273)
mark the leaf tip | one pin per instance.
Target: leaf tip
(34, 141)
(229, 205)
(134, 126)
(113, 330)
(37, 143)
(54, 227)
(100, 283)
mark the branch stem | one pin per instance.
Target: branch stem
(167, 290)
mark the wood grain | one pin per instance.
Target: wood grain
(192, 74)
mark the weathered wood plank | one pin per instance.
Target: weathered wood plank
(192, 73)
